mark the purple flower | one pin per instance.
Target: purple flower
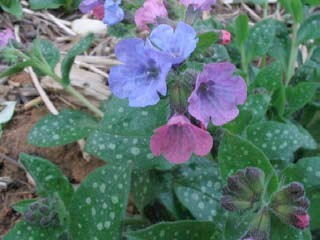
(203, 5)
(178, 139)
(178, 43)
(5, 36)
(217, 94)
(87, 6)
(142, 76)
(113, 13)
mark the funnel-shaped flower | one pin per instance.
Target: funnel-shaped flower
(148, 14)
(142, 76)
(178, 139)
(203, 5)
(300, 219)
(5, 36)
(178, 44)
(217, 94)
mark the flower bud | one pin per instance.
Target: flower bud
(288, 194)
(300, 219)
(256, 179)
(231, 204)
(225, 37)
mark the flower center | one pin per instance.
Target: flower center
(152, 70)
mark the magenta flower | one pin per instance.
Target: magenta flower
(301, 219)
(217, 94)
(225, 37)
(203, 5)
(5, 36)
(148, 14)
(178, 139)
(98, 12)
(142, 76)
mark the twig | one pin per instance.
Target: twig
(60, 24)
(251, 12)
(32, 103)
(11, 160)
(98, 60)
(92, 68)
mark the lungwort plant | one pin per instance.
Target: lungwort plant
(208, 140)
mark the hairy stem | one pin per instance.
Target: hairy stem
(293, 54)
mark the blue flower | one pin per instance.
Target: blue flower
(113, 13)
(142, 75)
(178, 43)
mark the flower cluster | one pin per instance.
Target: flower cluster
(142, 78)
(245, 192)
(108, 10)
(5, 36)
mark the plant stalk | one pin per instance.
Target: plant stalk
(293, 54)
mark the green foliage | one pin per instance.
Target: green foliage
(269, 77)
(241, 30)
(99, 204)
(309, 29)
(67, 127)
(68, 60)
(295, 8)
(206, 39)
(179, 230)
(12, 6)
(54, 4)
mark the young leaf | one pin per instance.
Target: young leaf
(56, 130)
(179, 230)
(14, 7)
(100, 203)
(206, 40)
(309, 29)
(15, 69)
(260, 39)
(295, 8)
(124, 134)
(258, 104)
(48, 4)
(48, 177)
(25, 231)
(241, 30)
(68, 60)
(280, 140)
(23, 205)
(237, 153)
(50, 53)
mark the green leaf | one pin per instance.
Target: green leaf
(48, 4)
(14, 8)
(56, 130)
(280, 140)
(238, 125)
(312, 2)
(15, 69)
(258, 104)
(125, 132)
(198, 188)
(99, 205)
(260, 39)
(68, 60)
(269, 77)
(24, 231)
(237, 225)
(241, 30)
(48, 177)
(299, 95)
(279, 100)
(309, 29)
(295, 8)
(23, 205)
(50, 53)
(179, 230)
(237, 153)
(7, 113)
(206, 40)
(122, 30)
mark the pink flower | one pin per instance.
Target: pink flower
(302, 220)
(217, 94)
(178, 139)
(5, 36)
(98, 11)
(149, 12)
(203, 5)
(225, 37)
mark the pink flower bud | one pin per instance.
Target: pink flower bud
(301, 220)
(225, 37)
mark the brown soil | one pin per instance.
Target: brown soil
(13, 142)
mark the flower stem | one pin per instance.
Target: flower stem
(293, 54)
(88, 104)
(244, 64)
